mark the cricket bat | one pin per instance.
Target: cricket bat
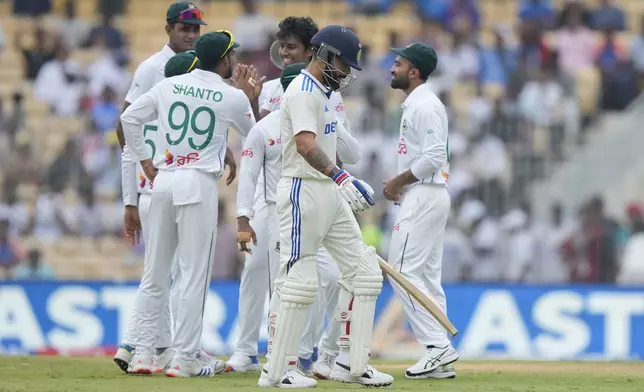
(424, 300)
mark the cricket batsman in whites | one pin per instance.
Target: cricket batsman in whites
(419, 188)
(314, 201)
(194, 111)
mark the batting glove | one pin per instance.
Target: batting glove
(357, 193)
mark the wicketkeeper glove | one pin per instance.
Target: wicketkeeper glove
(357, 193)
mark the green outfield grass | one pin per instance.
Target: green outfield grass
(27, 374)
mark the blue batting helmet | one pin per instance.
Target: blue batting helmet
(340, 41)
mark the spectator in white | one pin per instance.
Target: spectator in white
(60, 83)
(637, 50)
(551, 266)
(479, 109)
(574, 41)
(17, 212)
(253, 28)
(87, 214)
(540, 100)
(488, 163)
(519, 248)
(631, 270)
(484, 234)
(102, 163)
(457, 253)
(609, 16)
(73, 30)
(33, 268)
(106, 113)
(48, 221)
(107, 71)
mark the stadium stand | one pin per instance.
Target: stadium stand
(513, 124)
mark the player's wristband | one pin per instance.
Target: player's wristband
(340, 176)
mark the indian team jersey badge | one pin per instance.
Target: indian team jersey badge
(277, 247)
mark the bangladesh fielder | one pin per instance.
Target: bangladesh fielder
(416, 247)
(315, 201)
(294, 41)
(184, 21)
(194, 111)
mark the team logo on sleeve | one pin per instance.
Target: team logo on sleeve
(272, 141)
(339, 107)
(402, 146)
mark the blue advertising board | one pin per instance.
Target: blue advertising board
(495, 321)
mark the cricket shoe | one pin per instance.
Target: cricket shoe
(323, 366)
(162, 361)
(293, 378)
(442, 372)
(435, 358)
(305, 365)
(242, 363)
(189, 369)
(212, 361)
(370, 378)
(123, 357)
(142, 364)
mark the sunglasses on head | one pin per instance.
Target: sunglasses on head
(230, 44)
(191, 14)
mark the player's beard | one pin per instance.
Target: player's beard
(331, 78)
(399, 82)
(229, 74)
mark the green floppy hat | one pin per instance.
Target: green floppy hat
(184, 12)
(181, 63)
(421, 56)
(212, 47)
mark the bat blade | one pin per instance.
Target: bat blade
(424, 300)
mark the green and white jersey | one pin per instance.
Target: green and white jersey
(194, 113)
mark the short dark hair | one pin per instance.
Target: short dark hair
(302, 28)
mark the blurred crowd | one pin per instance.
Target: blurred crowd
(520, 96)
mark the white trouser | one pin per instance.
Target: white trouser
(164, 338)
(416, 250)
(257, 280)
(327, 299)
(183, 216)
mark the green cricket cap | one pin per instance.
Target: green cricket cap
(184, 12)
(181, 63)
(290, 72)
(423, 57)
(213, 46)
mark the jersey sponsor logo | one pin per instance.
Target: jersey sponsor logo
(397, 227)
(247, 152)
(339, 107)
(402, 146)
(190, 158)
(169, 158)
(142, 180)
(445, 175)
(272, 141)
(275, 100)
(330, 128)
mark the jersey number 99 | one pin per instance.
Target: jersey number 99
(190, 121)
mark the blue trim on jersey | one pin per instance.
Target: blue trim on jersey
(296, 226)
(327, 91)
(307, 84)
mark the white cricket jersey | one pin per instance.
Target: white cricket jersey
(272, 99)
(305, 107)
(147, 75)
(194, 111)
(423, 146)
(260, 161)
